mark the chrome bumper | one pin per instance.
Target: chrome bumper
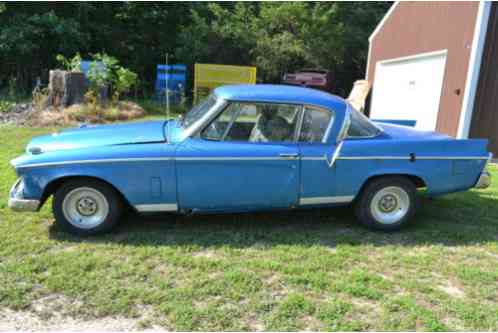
(485, 178)
(17, 201)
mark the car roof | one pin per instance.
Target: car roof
(278, 93)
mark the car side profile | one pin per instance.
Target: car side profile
(245, 148)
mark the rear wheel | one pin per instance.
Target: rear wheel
(86, 207)
(387, 203)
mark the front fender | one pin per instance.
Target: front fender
(143, 182)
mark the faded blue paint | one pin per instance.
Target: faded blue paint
(152, 162)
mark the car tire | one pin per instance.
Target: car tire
(387, 203)
(86, 207)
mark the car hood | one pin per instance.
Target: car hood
(100, 135)
(401, 132)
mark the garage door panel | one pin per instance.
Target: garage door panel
(409, 89)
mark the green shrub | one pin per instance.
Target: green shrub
(72, 64)
(5, 106)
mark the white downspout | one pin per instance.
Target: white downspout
(473, 70)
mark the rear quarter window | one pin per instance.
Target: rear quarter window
(361, 126)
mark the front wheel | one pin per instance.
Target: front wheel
(387, 203)
(86, 207)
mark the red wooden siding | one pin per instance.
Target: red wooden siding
(421, 27)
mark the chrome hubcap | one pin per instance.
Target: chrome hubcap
(390, 205)
(85, 207)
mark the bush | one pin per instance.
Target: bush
(70, 65)
(110, 74)
(5, 106)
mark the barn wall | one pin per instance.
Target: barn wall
(423, 27)
(485, 115)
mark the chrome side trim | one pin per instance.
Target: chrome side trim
(314, 158)
(326, 200)
(373, 158)
(111, 160)
(451, 158)
(157, 208)
(408, 158)
(264, 158)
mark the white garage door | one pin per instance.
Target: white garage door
(409, 89)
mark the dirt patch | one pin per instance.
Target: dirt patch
(452, 290)
(57, 313)
(208, 254)
(28, 321)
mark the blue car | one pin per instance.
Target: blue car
(245, 148)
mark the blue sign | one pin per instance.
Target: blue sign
(175, 76)
(86, 64)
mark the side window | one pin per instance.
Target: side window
(315, 124)
(255, 122)
(216, 130)
(361, 127)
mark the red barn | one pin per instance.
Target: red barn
(437, 63)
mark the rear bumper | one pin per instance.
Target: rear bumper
(18, 203)
(484, 180)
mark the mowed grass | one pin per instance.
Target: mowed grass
(299, 270)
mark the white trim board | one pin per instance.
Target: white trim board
(384, 19)
(473, 70)
(414, 56)
(376, 30)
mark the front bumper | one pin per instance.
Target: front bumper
(18, 203)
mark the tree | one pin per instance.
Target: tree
(275, 37)
(283, 37)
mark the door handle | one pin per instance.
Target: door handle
(289, 156)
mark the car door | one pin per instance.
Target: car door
(247, 158)
(319, 183)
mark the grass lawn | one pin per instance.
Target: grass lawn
(299, 270)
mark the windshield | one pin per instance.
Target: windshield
(198, 111)
(361, 126)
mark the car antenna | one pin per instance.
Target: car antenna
(167, 97)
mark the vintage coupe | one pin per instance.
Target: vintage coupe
(245, 148)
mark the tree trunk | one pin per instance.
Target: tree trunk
(66, 88)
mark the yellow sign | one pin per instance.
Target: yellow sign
(208, 76)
